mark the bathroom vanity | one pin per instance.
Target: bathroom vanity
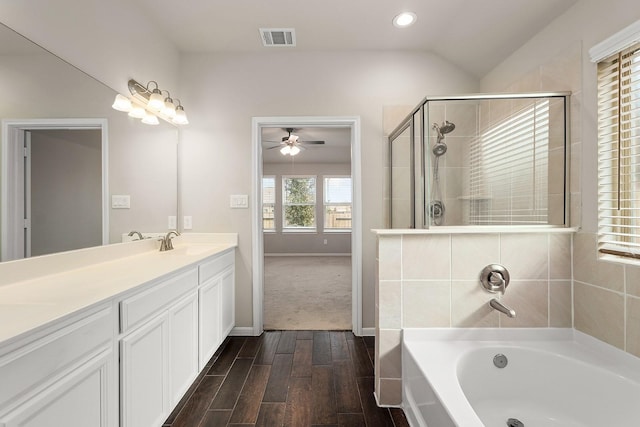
(113, 335)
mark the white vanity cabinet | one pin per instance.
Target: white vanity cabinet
(63, 376)
(158, 349)
(216, 296)
(111, 336)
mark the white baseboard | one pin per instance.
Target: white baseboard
(241, 331)
(307, 254)
(368, 332)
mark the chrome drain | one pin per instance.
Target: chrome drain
(500, 361)
(514, 422)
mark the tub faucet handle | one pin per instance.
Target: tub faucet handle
(494, 278)
(497, 281)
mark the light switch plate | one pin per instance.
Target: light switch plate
(239, 201)
(187, 222)
(172, 223)
(120, 201)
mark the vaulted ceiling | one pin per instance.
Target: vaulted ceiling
(475, 35)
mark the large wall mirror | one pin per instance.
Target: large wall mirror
(79, 154)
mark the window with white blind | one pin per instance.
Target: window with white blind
(337, 203)
(268, 203)
(298, 203)
(508, 166)
(619, 153)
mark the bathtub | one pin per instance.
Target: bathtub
(552, 377)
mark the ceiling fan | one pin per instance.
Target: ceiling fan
(291, 144)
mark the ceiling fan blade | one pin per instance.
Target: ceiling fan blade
(312, 142)
(274, 147)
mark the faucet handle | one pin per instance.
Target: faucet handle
(494, 278)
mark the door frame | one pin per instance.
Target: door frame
(351, 122)
(12, 139)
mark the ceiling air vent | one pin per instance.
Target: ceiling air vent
(278, 36)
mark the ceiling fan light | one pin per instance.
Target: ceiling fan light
(285, 150)
(294, 150)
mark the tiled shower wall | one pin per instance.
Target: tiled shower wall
(431, 280)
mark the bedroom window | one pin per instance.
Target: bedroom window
(268, 203)
(298, 203)
(619, 153)
(337, 203)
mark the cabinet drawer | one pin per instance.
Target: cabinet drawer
(27, 369)
(147, 303)
(211, 268)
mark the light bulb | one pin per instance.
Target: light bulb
(150, 119)
(181, 116)
(169, 109)
(404, 19)
(122, 103)
(137, 112)
(156, 101)
(285, 150)
(294, 150)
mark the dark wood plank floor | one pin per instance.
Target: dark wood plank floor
(287, 378)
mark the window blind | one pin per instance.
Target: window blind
(619, 153)
(508, 165)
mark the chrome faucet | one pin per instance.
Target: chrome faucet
(495, 278)
(165, 243)
(131, 233)
(497, 305)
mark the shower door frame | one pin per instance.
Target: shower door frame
(409, 121)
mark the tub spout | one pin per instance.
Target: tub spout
(497, 305)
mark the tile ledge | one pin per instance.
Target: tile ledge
(476, 230)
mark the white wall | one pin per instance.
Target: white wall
(110, 40)
(225, 90)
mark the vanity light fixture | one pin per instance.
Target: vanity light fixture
(404, 19)
(149, 104)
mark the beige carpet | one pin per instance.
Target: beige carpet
(307, 293)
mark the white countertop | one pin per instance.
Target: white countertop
(50, 288)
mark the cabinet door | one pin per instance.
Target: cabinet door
(209, 319)
(183, 348)
(78, 399)
(145, 374)
(228, 301)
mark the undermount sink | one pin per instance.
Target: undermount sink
(191, 249)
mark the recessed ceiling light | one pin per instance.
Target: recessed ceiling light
(404, 19)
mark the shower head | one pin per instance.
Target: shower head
(447, 127)
(439, 149)
(444, 129)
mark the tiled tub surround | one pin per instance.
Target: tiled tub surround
(431, 279)
(606, 296)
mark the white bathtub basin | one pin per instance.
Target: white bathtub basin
(554, 377)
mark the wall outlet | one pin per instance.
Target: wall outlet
(173, 222)
(325, 241)
(187, 222)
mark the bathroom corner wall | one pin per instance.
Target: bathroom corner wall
(606, 296)
(432, 280)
